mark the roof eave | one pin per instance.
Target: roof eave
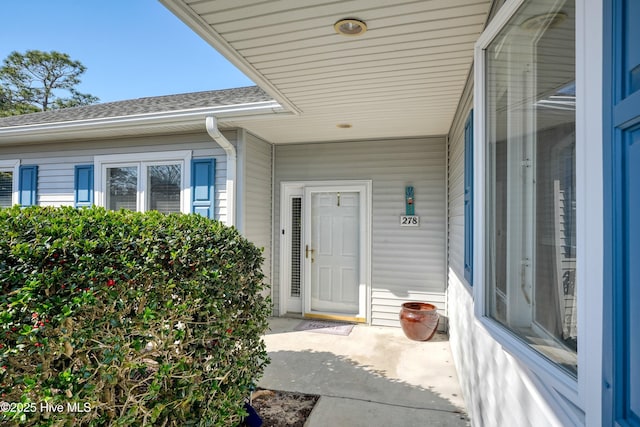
(204, 30)
(130, 124)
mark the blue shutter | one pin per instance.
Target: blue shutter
(202, 194)
(621, 152)
(468, 199)
(83, 185)
(28, 185)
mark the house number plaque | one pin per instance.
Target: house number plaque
(409, 221)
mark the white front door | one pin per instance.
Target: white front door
(332, 251)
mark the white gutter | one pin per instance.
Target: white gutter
(236, 111)
(106, 126)
(213, 131)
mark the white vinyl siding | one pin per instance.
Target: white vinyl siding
(55, 180)
(56, 162)
(407, 263)
(55, 174)
(256, 197)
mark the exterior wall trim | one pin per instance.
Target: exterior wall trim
(590, 205)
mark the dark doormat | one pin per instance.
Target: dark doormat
(324, 327)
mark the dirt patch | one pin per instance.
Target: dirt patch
(281, 408)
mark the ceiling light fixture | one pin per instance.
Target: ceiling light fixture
(350, 27)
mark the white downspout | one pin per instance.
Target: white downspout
(214, 132)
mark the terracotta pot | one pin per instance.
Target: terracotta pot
(419, 320)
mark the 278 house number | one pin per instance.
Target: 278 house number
(409, 221)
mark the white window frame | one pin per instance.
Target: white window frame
(548, 378)
(142, 161)
(12, 166)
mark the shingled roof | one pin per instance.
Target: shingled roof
(155, 104)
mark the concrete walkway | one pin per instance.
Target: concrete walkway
(373, 377)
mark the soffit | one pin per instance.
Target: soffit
(403, 77)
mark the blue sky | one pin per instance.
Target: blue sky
(131, 48)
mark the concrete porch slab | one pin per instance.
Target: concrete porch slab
(373, 377)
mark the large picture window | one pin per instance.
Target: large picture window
(159, 183)
(530, 156)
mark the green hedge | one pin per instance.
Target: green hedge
(123, 318)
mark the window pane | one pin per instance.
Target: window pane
(164, 184)
(122, 188)
(531, 198)
(6, 189)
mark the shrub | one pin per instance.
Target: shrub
(124, 318)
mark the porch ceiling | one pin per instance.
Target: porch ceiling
(402, 78)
